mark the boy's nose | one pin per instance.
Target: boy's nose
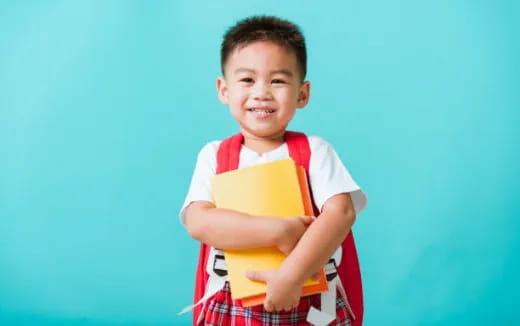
(261, 92)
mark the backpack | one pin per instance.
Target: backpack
(299, 150)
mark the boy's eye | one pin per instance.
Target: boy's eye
(247, 80)
(278, 81)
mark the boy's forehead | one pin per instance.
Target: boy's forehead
(262, 54)
(287, 72)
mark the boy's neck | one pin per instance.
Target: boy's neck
(263, 145)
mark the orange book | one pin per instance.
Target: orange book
(310, 289)
(276, 189)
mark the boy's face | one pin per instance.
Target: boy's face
(263, 88)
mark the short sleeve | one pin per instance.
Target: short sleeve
(328, 176)
(200, 186)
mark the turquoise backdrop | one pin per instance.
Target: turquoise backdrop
(104, 106)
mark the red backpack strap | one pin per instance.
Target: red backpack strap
(350, 275)
(300, 152)
(228, 154)
(227, 159)
(349, 271)
(201, 279)
(299, 148)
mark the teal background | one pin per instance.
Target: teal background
(104, 106)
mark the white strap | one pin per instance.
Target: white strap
(215, 282)
(211, 260)
(328, 305)
(338, 254)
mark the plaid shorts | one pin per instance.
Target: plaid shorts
(222, 310)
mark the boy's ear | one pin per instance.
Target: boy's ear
(303, 94)
(222, 90)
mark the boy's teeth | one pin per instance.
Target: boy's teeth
(262, 110)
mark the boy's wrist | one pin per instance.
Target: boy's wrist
(291, 276)
(279, 231)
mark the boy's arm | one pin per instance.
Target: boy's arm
(322, 238)
(228, 229)
(312, 252)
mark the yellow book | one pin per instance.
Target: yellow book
(269, 189)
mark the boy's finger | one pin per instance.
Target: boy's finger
(256, 276)
(268, 306)
(307, 219)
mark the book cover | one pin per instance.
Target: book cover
(277, 189)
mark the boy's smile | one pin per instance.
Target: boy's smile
(263, 88)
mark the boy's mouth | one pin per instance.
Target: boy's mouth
(261, 112)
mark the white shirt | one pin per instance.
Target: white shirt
(327, 174)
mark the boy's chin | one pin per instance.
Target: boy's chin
(262, 133)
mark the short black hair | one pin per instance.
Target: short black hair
(265, 28)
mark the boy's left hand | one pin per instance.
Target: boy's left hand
(283, 294)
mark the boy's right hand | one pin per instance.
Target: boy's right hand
(291, 231)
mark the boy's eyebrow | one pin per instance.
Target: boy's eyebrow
(239, 70)
(286, 72)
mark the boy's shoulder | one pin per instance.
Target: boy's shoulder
(316, 139)
(209, 149)
(318, 143)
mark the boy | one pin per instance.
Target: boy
(263, 63)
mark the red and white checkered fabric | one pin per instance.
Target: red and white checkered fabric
(221, 310)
